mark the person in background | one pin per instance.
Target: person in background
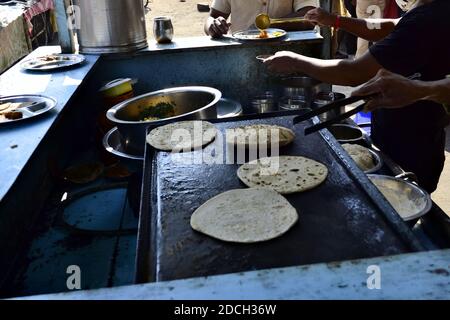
(396, 91)
(412, 136)
(242, 13)
(368, 9)
(367, 33)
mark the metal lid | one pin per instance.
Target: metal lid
(117, 87)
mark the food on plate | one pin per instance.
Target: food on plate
(159, 111)
(361, 155)
(182, 136)
(8, 111)
(277, 34)
(13, 115)
(245, 216)
(260, 134)
(51, 58)
(284, 174)
(263, 34)
(259, 34)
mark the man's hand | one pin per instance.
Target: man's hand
(217, 27)
(394, 91)
(283, 63)
(320, 17)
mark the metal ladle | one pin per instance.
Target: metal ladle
(263, 21)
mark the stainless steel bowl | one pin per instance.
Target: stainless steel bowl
(191, 103)
(227, 108)
(114, 144)
(345, 133)
(410, 201)
(377, 160)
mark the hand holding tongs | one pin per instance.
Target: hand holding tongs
(336, 105)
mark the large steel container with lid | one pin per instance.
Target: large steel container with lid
(111, 26)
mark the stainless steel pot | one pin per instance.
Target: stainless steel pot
(292, 103)
(113, 143)
(111, 26)
(190, 103)
(301, 86)
(345, 133)
(228, 108)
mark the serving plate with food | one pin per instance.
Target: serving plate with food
(52, 62)
(259, 35)
(22, 107)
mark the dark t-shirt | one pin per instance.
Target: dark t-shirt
(413, 136)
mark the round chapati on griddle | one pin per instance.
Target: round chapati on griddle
(284, 174)
(182, 136)
(245, 216)
(259, 134)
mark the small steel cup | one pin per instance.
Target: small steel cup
(163, 29)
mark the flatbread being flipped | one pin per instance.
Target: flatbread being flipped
(245, 216)
(182, 136)
(284, 174)
(361, 155)
(253, 135)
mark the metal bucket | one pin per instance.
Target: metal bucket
(111, 26)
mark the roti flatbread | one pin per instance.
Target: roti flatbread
(182, 136)
(258, 134)
(284, 174)
(245, 216)
(361, 155)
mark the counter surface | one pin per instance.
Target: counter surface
(19, 141)
(424, 275)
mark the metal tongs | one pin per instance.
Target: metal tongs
(333, 106)
(337, 105)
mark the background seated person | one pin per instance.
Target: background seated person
(242, 14)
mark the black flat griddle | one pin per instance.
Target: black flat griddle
(344, 218)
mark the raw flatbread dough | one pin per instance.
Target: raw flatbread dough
(361, 155)
(245, 216)
(253, 135)
(284, 174)
(182, 136)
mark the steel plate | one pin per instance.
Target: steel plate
(253, 34)
(42, 105)
(58, 61)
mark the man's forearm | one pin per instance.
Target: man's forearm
(339, 72)
(437, 91)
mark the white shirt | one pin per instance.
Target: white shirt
(243, 12)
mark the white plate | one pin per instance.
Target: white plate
(52, 62)
(253, 34)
